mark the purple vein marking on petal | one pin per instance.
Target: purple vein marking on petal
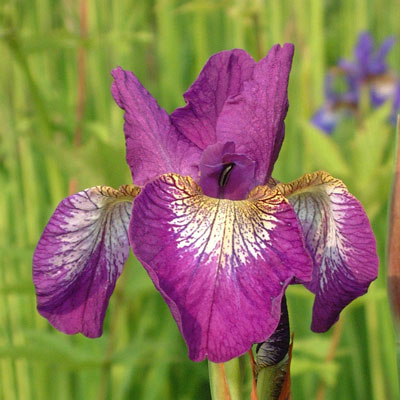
(254, 119)
(153, 145)
(340, 239)
(80, 256)
(221, 78)
(222, 266)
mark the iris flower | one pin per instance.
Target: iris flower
(368, 70)
(338, 104)
(219, 237)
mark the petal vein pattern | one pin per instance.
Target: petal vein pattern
(221, 78)
(153, 145)
(80, 256)
(254, 119)
(221, 265)
(340, 239)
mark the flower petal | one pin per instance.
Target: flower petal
(326, 119)
(340, 239)
(221, 265)
(364, 50)
(153, 144)
(379, 64)
(222, 77)
(80, 256)
(254, 119)
(371, 62)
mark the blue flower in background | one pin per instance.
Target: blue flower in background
(368, 70)
(339, 102)
(367, 61)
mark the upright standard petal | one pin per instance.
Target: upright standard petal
(153, 145)
(221, 265)
(80, 256)
(363, 51)
(254, 119)
(222, 77)
(340, 239)
(379, 65)
(371, 62)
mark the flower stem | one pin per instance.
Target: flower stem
(253, 395)
(225, 380)
(218, 382)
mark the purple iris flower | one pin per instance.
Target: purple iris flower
(338, 104)
(368, 70)
(368, 61)
(220, 239)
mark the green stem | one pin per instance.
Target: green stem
(225, 380)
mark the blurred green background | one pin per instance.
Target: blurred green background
(60, 131)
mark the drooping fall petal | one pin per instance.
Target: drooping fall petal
(340, 239)
(80, 256)
(153, 145)
(254, 119)
(222, 266)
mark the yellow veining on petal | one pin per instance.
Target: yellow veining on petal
(124, 191)
(317, 200)
(307, 182)
(93, 210)
(232, 230)
(272, 182)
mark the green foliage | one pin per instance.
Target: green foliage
(141, 354)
